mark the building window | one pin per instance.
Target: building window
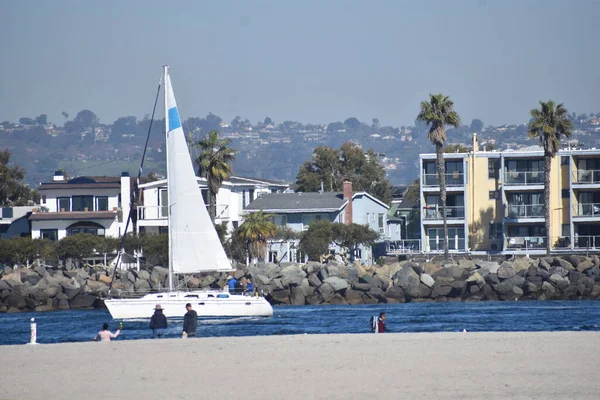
(565, 230)
(164, 203)
(493, 167)
(381, 224)
(565, 194)
(235, 224)
(564, 160)
(50, 234)
(7, 212)
(80, 203)
(101, 203)
(64, 204)
(251, 194)
(495, 231)
(85, 227)
(243, 199)
(43, 199)
(493, 194)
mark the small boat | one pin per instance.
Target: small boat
(194, 246)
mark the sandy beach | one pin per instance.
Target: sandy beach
(549, 365)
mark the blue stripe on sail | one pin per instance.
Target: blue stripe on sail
(174, 121)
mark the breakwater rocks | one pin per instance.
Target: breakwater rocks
(567, 277)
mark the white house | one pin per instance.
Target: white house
(87, 204)
(298, 210)
(235, 194)
(14, 222)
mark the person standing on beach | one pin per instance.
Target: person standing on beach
(105, 335)
(158, 322)
(378, 323)
(190, 322)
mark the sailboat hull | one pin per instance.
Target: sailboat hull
(205, 303)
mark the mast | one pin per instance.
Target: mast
(169, 197)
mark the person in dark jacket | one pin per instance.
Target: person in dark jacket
(158, 322)
(381, 323)
(190, 322)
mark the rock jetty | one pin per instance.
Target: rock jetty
(572, 277)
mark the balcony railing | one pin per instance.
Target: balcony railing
(522, 178)
(148, 213)
(452, 212)
(454, 244)
(526, 242)
(525, 211)
(405, 246)
(588, 210)
(589, 176)
(452, 179)
(587, 242)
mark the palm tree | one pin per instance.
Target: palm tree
(548, 124)
(214, 163)
(256, 230)
(439, 113)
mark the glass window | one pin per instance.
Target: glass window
(564, 160)
(64, 204)
(565, 230)
(565, 194)
(50, 234)
(495, 231)
(43, 199)
(101, 203)
(164, 202)
(492, 195)
(493, 167)
(80, 203)
(381, 224)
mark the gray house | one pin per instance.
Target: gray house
(298, 210)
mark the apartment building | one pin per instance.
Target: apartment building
(495, 201)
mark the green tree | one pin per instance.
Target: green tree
(456, 148)
(315, 241)
(12, 191)
(351, 236)
(214, 163)
(331, 167)
(77, 247)
(549, 124)
(156, 250)
(476, 126)
(438, 113)
(256, 230)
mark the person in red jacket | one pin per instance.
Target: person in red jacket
(381, 323)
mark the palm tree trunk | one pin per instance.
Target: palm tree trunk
(547, 166)
(441, 167)
(212, 205)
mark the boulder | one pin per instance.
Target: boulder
(262, 280)
(506, 271)
(376, 293)
(595, 291)
(487, 267)
(488, 293)
(427, 280)
(395, 294)
(504, 287)
(326, 292)
(143, 274)
(430, 268)
(440, 288)
(40, 270)
(581, 267)
(292, 275)
(564, 263)
(338, 299)
(322, 274)
(107, 279)
(543, 264)
(476, 279)
(559, 281)
(61, 304)
(32, 279)
(71, 293)
(297, 296)
(408, 280)
(459, 287)
(16, 300)
(363, 287)
(521, 264)
(517, 291)
(574, 276)
(559, 271)
(370, 280)
(40, 295)
(424, 291)
(548, 288)
(466, 264)
(314, 280)
(131, 277)
(192, 282)
(4, 286)
(281, 296)
(13, 278)
(492, 279)
(314, 299)
(83, 300)
(336, 283)
(95, 286)
(142, 286)
(388, 271)
(457, 272)
(353, 296)
(277, 284)
(207, 281)
(383, 282)
(158, 274)
(531, 287)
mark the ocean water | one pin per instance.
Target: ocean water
(83, 325)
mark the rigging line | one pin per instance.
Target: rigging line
(136, 190)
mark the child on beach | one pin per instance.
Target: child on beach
(105, 335)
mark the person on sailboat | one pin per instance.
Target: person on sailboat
(158, 322)
(190, 322)
(231, 284)
(249, 286)
(105, 335)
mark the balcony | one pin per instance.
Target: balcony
(405, 246)
(525, 211)
(452, 179)
(589, 242)
(588, 177)
(526, 243)
(523, 178)
(435, 212)
(588, 210)
(157, 213)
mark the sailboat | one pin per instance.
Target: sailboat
(194, 246)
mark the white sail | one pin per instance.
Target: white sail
(194, 244)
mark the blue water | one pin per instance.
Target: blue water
(82, 325)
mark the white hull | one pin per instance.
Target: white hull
(205, 303)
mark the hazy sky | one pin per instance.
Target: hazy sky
(310, 61)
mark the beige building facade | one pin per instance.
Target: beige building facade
(495, 201)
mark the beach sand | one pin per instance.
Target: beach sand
(548, 365)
